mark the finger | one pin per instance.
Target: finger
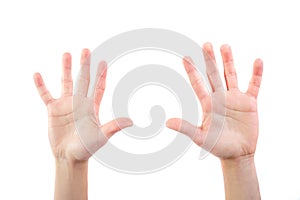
(255, 82)
(229, 70)
(40, 85)
(186, 128)
(110, 128)
(100, 85)
(196, 80)
(84, 74)
(211, 68)
(67, 82)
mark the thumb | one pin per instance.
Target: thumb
(186, 128)
(110, 128)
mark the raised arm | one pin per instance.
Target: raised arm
(70, 152)
(237, 114)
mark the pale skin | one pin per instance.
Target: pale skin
(238, 137)
(235, 147)
(71, 156)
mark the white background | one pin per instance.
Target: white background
(34, 35)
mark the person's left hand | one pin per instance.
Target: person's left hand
(233, 111)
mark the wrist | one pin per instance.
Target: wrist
(241, 162)
(240, 179)
(71, 179)
(70, 167)
(70, 162)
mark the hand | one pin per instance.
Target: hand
(63, 135)
(238, 137)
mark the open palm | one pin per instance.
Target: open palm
(74, 130)
(230, 122)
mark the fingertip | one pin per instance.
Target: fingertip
(226, 53)
(258, 67)
(110, 128)
(67, 60)
(37, 79)
(225, 47)
(124, 122)
(188, 59)
(85, 51)
(188, 64)
(182, 126)
(103, 63)
(207, 46)
(172, 123)
(66, 55)
(259, 62)
(168, 123)
(85, 56)
(102, 67)
(129, 122)
(36, 75)
(208, 52)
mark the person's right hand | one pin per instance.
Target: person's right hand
(77, 108)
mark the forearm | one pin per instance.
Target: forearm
(71, 180)
(240, 179)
